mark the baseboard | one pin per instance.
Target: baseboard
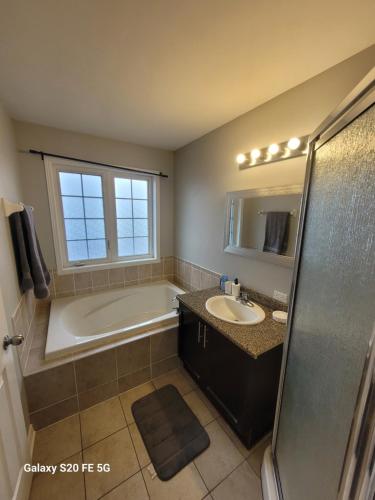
(269, 486)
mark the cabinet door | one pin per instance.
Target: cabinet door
(191, 343)
(227, 376)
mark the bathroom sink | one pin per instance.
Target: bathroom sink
(229, 309)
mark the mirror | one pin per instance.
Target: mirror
(263, 223)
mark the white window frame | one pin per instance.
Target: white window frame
(52, 168)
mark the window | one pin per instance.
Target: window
(101, 216)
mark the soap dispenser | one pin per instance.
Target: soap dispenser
(236, 288)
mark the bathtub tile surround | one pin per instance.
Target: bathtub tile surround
(96, 370)
(133, 379)
(133, 356)
(82, 282)
(165, 365)
(179, 271)
(23, 323)
(55, 392)
(163, 346)
(46, 388)
(97, 394)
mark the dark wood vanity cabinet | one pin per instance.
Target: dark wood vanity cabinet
(243, 389)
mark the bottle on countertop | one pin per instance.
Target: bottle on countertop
(236, 288)
(228, 287)
(223, 280)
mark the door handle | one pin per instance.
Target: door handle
(15, 340)
(199, 332)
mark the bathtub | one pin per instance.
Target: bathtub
(87, 321)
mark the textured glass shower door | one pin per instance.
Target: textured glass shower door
(333, 315)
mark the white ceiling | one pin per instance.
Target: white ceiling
(165, 72)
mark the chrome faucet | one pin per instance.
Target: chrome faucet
(244, 299)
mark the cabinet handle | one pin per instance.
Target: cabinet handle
(205, 336)
(199, 332)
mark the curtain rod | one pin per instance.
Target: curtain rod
(43, 154)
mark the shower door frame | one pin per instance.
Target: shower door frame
(359, 99)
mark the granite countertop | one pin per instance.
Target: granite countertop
(253, 339)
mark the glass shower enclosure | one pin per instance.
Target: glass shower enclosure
(324, 434)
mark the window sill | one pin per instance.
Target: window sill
(107, 265)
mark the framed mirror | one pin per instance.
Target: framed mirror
(262, 223)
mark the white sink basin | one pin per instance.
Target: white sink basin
(228, 309)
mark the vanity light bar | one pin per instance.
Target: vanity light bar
(292, 148)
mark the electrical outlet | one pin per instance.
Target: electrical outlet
(282, 297)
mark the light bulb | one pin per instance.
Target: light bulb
(255, 153)
(273, 149)
(294, 143)
(240, 158)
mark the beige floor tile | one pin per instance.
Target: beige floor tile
(185, 485)
(60, 486)
(234, 438)
(140, 449)
(116, 450)
(58, 441)
(177, 378)
(256, 454)
(101, 420)
(132, 489)
(242, 484)
(220, 458)
(197, 406)
(127, 398)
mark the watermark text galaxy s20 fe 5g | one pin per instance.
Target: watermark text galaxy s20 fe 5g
(65, 467)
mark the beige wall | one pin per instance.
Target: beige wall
(10, 188)
(205, 170)
(31, 136)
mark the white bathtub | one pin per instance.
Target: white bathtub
(83, 322)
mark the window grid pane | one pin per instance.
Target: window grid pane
(132, 216)
(83, 214)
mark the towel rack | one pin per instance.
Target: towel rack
(11, 207)
(293, 213)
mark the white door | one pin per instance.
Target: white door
(14, 451)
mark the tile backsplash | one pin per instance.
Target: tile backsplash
(192, 277)
(93, 281)
(184, 273)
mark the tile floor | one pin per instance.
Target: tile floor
(106, 433)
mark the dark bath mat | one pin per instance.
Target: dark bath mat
(171, 432)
